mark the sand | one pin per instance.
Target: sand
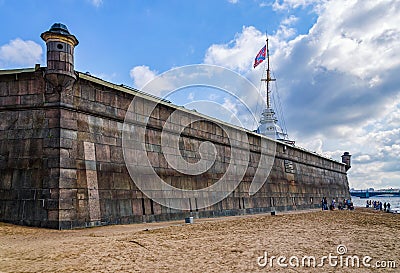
(231, 244)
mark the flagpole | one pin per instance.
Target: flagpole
(268, 79)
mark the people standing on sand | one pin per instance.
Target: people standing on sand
(380, 205)
(351, 206)
(332, 207)
(388, 207)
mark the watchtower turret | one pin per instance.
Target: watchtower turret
(60, 55)
(346, 159)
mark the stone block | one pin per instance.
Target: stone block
(154, 159)
(104, 180)
(157, 208)
(24, 120)
(32, 100)
(3, 89)
(5, 179)
(99, 108)
(111, 167)
(88, 92)
(69, 134)
(68, 173)
(10, 101)
(52, 113)
(68, 163)
(67, 183)
(125, 207)
(71, 124)
(103, 153)
(120, 113)
(148, 209)
(67, 143)
(137, 208)
(67, 215)
(121, 181)
(116, 154)
(112, 141)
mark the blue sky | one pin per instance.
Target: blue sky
(118, 35)
(337, 62)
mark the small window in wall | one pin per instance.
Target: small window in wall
(60, 46)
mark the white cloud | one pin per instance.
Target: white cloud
(213, 97)
(337, 75)
(96, 3)
(357, 37)
(230, 106)
(233, 1)
(314, 145)
(20, 53)
(191, 96)
(239, 53)
(141, 75)
(339, 81)
(362, 158)
(290, 20)
(376, 152)
(294, 4)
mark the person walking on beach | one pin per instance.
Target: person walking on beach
(384, 206)
(324, 204)
(332, 207)
(388, 207)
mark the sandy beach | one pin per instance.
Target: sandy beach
(232, 244)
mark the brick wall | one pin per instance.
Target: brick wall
(29, 151)
(62, 164)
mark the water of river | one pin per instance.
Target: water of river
(393, 200)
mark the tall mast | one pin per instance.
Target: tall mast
(268, 79)
(268, 122)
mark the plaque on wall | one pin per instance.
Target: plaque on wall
(289, 168)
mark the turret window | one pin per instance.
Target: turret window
(60, 46)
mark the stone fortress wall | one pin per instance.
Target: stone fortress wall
(62, 162)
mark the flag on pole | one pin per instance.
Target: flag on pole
(260, 56)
